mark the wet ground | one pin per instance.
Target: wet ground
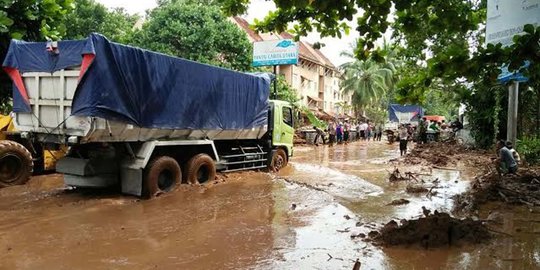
(302, 218)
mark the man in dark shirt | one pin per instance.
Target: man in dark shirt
(506, 162)
(320, 133)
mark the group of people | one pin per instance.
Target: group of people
(342, 132)
(433, 130)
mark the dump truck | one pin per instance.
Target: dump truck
(144, 121)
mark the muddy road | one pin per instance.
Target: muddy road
(302, 218)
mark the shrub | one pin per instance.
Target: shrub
(529, 149)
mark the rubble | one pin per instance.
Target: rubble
(523, 188)
(430, 231)
(399, 202)
(445, 154)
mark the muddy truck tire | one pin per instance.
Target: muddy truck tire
(15, 164)
(279, 160)
(162, 175)
(200, 169)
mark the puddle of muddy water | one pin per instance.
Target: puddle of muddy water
(359, 166)
(249, 222)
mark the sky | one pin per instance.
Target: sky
(258, 9)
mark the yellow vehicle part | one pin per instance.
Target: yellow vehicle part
(50, 156)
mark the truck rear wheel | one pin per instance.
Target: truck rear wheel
(162, 175)
(15, 164)
(279, 160)
(200, 169)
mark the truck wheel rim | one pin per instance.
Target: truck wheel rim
(165, 180)
(10, 167)
(203, 174)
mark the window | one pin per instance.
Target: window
(287, 116)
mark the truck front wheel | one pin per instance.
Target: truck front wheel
(15, 164)
(162, 175)
(279, 160)
(200, 169)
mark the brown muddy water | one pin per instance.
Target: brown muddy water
(302, 218)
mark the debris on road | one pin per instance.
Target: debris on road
(433, 230)
(445, 155)
(416, 188)
(523, 188)
(399, 202)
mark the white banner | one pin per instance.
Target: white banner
(506, 18)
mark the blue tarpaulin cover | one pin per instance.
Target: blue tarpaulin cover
(145, 88)
(404, 113)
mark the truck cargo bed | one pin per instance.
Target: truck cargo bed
(51, 96)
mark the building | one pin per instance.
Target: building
(315, 78)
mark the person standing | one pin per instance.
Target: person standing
(379, 132)
(346, 129)
(339, 133)
(422, 130)
(403, 139)
(362, 129)
(331, 133)
(369, 131)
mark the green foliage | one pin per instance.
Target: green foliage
(367, 80)
(195, 31)
(484, 123)
(529, 149)
(89, 17)
(30, 20)
(284, 91)
(313, 119)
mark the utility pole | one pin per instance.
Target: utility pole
(511, 126)
(275, 82)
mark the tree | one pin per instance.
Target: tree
(29, 20)
(195, 31)
(90, 16)
(284, 91)
(366, 80)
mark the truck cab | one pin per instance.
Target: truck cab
(282, 126)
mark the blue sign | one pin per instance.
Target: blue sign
(507, 76)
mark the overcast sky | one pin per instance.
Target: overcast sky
(258, 9)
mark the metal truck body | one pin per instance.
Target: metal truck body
(136, 149)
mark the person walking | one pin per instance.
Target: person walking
(403, 139)
(331, 133)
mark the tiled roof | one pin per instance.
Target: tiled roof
(245, 26)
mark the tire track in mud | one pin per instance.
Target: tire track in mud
(332, 181)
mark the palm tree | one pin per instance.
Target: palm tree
(367, 80)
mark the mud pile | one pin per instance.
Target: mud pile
(436, 230)
(299, 139)
(523, 188)
(445, 154)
